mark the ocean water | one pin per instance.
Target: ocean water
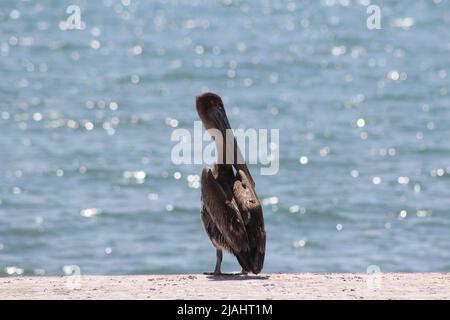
(86, 116)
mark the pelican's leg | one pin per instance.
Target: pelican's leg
(219, 256)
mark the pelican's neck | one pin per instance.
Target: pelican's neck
(228, 152)
(220, 143)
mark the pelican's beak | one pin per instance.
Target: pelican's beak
(231, 149)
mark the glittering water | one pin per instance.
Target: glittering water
(86, 118)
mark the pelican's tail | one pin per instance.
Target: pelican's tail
(253, 260)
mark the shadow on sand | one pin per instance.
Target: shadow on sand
(236, 277)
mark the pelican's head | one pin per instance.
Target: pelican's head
(211, 111)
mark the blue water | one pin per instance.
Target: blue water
(86, 116)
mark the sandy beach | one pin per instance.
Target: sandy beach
(266, 286)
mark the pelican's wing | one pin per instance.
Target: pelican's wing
(224, 213)
(251, 211)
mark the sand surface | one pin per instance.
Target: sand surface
(267, 286)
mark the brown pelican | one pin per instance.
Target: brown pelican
(230, 209)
